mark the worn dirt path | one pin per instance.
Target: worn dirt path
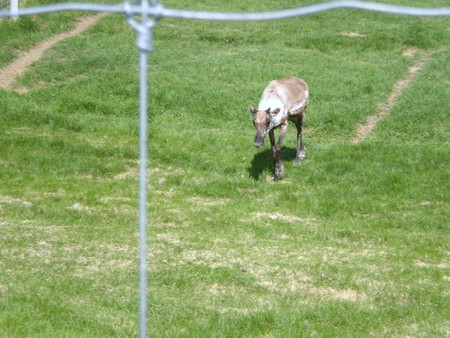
(24, 61)
(385, 108)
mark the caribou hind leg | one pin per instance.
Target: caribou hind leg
(301, 149)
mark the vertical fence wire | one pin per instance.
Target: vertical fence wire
(143, 139)
(144, 42)
(14, 8)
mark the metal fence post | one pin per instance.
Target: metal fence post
(14, 8)
(145, 45)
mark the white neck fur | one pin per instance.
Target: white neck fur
(273, 103)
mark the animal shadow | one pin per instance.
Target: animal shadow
(263, 161)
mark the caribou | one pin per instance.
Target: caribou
(282, 101)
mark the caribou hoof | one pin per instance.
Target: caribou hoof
(278, 172)
(299, 159)
(276, 177)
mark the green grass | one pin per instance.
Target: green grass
(18, 36)
(352, 243)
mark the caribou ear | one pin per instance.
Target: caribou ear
(268, 111)
(252, 110)
(275, 112)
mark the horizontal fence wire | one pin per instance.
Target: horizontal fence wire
(158, 10)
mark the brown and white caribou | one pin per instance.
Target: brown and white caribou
(282, 101)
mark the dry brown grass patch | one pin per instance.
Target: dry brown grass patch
(353, 35)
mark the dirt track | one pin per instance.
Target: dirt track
(23, 61)
(384, 108)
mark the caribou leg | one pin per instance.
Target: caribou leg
(301, 149)
(276, 150)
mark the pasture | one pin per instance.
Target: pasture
(354, 242)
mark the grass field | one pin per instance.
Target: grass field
(352, 243)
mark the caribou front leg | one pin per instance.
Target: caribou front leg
(276, 149)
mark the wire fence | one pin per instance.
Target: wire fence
(150, 12)
(153, 8)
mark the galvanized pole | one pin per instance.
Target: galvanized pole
(143, 193)
(14, 8)
(145, 45)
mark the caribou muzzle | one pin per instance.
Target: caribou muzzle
(259, 140)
